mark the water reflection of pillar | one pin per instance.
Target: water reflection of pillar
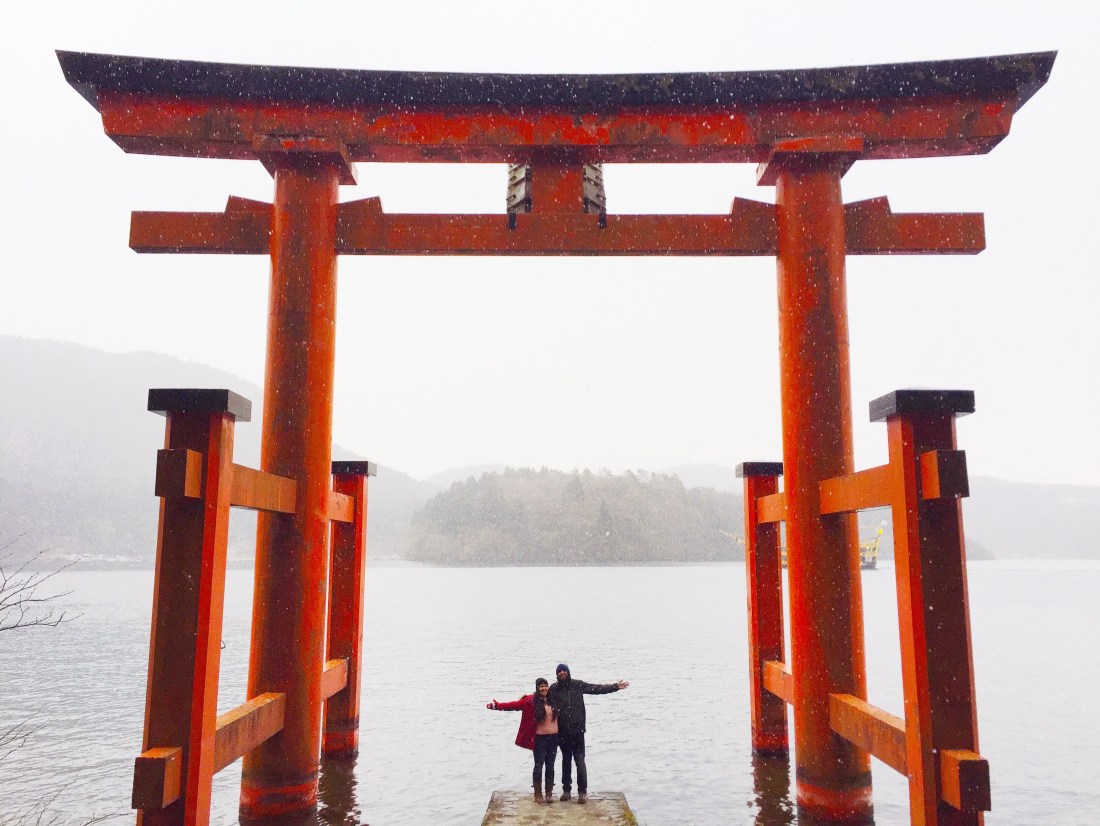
(336, 798)
(771, 785)
(291, 591)
(833, 778)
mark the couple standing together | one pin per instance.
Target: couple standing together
(551, 717)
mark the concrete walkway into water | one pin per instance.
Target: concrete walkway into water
(520, 809)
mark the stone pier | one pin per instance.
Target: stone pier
(510, 808)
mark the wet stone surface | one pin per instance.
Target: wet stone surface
(511, 808)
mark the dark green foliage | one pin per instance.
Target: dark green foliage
(547, 517)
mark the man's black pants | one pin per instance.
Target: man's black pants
(572, 748)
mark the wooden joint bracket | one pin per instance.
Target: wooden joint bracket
(964, 780)
(334, 678)
(943, 475)
(274, 151)
(158, 775)
(838, 152)
(179, 473)
(158, 772)
(778, 680)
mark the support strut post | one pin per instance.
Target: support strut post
(188, 601)
(832, 777)
(291, 589)
(557, 183)
(933, 605)
(345, 609)
(765, 605)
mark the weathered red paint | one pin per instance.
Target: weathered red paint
(557, 185)
(185, 642)
(765, 606)
(833, 778)
(345, 618)
(750, 229)
(216, 128)
(933, 618)
(289, 613)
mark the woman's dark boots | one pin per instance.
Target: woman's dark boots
(550, 793)
(538, 793)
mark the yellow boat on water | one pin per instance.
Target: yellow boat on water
(868, 551)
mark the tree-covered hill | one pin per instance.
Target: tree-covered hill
(547, 517)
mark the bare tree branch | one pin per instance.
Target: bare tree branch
(39, 814)
(22, 607)
(15, 736)
(21, 603)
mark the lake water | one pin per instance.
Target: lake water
(442, 642)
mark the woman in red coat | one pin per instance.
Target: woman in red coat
(538, 731)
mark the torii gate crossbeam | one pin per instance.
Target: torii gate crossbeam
(803, 128)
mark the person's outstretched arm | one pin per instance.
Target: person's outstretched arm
(601, 688)
(515, 705)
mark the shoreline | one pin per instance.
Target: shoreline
(1016, 563)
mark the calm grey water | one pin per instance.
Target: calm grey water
(442, 642)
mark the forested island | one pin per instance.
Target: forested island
(548, 517)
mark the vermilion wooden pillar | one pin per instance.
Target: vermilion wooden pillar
(928, 476)
(764, 588)
(832, 777)
(345, 612)
(292, 553)
(188, 599)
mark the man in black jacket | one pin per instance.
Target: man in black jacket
(567, 696)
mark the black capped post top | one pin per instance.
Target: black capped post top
(354, 469)
(913, 400)
(759, 469)
(193, 400)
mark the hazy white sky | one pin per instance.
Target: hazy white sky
(582, 362)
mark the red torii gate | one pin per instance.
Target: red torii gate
(309, 126)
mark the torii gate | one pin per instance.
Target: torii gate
(309, 127)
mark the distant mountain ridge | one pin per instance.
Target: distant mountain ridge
(78, 451)
(703, 475)
(1021, 520)
(445, 478)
